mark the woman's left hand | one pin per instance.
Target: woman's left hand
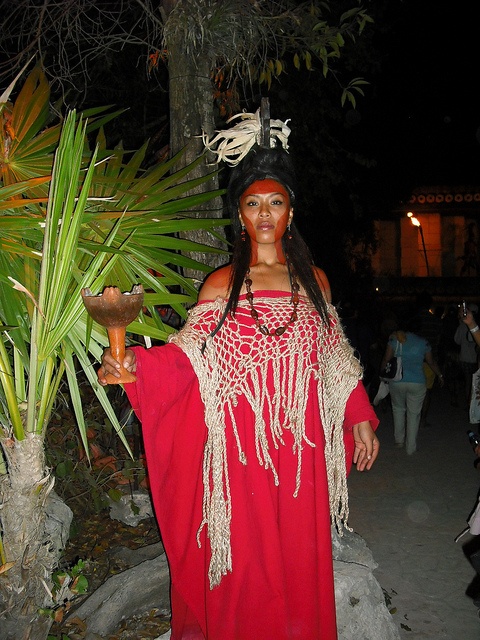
(367, 446)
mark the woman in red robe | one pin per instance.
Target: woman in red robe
(252, 416)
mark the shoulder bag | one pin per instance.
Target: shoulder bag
(393, 370)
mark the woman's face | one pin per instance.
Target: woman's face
(265, 211)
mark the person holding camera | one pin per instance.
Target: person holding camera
(467, 317)
(470, 326)
(465, 338)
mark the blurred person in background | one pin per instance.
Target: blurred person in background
(407, 395)
(430, 328)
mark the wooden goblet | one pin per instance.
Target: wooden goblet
(115, 311)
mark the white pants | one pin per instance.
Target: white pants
(407, 399)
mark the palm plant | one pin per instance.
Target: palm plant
(96, 219)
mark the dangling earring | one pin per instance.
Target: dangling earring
(243, 234)
(289, 231)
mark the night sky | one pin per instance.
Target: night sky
(424, 113)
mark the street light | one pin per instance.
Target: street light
(416, 223)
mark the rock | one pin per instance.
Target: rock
(131, 508)
(351, 548)
(59, 517)
(131, 557)
(361, 608)
(133, 592)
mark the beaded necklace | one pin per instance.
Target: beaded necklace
(254, 313)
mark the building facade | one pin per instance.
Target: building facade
(432, 242)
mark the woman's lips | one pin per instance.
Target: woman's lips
(265, 226)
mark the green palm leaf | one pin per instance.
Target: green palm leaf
(74, 219)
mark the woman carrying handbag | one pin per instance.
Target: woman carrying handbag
(407, 394)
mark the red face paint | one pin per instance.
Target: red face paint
(265, 186)
(265, 211)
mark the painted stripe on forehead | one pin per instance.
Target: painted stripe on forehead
(265, 186)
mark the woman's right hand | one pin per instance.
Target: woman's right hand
(110, 365)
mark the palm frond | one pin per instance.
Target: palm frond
(72, 218)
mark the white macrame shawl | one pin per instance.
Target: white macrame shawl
(238, 361)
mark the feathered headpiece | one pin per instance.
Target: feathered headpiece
(253, 129)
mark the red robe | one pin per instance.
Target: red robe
(281, 583)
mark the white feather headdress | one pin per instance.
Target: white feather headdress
(236, 142)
